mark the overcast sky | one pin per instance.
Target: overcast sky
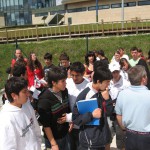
(58, 2)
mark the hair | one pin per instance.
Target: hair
(90, 53)
(32, 64)
(122, 60)
(48, 56)
(136, 74)
(55, 74)
(19, 70)
(101, 52)
(77, 67)
(14, 85)
(120, 48)
(99, 63)
(117, 52)
(101, 74)
(64, 56)
(133, 49)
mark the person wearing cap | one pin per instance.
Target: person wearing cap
(117, 84)
(133, 110)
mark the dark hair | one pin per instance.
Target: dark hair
(19, 70)
(122, 60)
(101, 74)
(55, 74)
(100, 63)
(48, 56)
(134, 49)
(77, 67)
(14, 85)
(90, 53)
(34, 64)
(101, 52)
(63, 56)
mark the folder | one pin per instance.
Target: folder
(89, 105)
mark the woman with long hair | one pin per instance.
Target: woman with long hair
(124, 66)
(90, 58)
(34, 71)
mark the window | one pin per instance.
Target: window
(41, 14)
(118, 5)
(104, 6)
(141, 3)
(61, 11)
(76, 10)
(53, 12)
(91, 8)
(130, 4)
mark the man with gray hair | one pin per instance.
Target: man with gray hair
(133, 109)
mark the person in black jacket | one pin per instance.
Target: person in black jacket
(53, 105)
(95, 137)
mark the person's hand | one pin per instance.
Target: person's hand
(97, 113)
(54, 147)
(70, 126)
(62, 119)
(105, 94)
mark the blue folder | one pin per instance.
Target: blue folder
(89, 105)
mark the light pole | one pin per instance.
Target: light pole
(122, 14)
(96, 10)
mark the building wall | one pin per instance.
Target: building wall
(2, 22)
(108, 15)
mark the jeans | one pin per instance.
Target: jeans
(63, 143)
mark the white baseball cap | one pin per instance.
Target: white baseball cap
(114, 67)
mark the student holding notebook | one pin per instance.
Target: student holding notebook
(94, 136)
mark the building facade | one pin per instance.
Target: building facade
(22, 12)
(19, 12)
(84, 11)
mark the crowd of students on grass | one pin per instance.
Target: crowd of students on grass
(47, 96)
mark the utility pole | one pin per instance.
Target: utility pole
(122, 14)
(96, 10)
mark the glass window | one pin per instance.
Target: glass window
(12, 16)
(104, 6)
(118, 5)
(76, 10)
(91, 8)
(130, 4)
(61, 11)
(53, 12)
(11, 2)
(141, 3)
(8, 4)
(41, 14)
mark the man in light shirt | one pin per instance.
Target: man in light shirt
(133, 109)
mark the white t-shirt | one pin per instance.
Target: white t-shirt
(74, 90)
(115, 88)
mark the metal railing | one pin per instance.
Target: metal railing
(69, 31)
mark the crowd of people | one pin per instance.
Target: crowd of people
(47, 96)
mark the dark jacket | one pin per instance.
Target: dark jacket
(93, 136)
(50, 109)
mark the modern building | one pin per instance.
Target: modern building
(22, 12)
(19, 12)
(84, 11)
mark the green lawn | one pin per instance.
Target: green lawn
(76, 49)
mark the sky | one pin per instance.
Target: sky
(58, 2)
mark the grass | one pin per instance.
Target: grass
(76, 49)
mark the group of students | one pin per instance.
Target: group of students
(56, 109)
